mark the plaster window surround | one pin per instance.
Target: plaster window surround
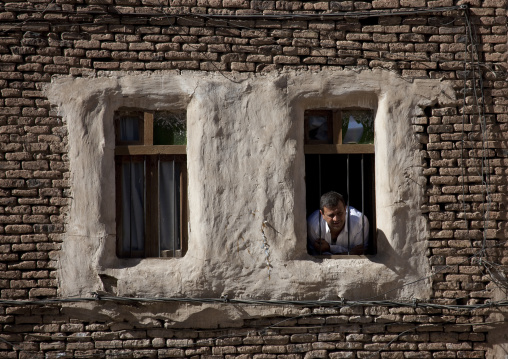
(151, 183)
(245, 162)
(339, 156)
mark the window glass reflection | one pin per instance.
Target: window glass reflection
(357, 126)
(169, 128)
(318, 128)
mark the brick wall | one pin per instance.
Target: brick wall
(463, 150)
(332, 333)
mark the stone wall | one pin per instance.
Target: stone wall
(448, 207)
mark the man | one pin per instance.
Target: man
(332, 230)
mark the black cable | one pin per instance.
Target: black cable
(293, 16)
(298, 303)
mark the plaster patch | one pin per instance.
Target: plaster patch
(245, 167)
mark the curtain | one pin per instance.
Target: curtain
(133, 206)
(169, 204)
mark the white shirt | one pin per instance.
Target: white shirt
(315, 221)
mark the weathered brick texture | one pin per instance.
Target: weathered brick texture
(463, 148)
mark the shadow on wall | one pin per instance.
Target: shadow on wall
(386, 254)
(161, 315)
(498, 336)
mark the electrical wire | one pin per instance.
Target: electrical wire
(271, 302)
(462, 160)
(41, 12)
(111, 10)
(488, 266)
(480, 105)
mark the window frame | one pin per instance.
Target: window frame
(336, 147)
(144, 150)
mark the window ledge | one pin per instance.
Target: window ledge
(344, 256)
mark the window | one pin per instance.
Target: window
(339, 156)
(151, 183)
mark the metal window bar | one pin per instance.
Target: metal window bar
(320, 194)
(177, 238)
(131, 224)
(363, 203)
(319, 165)
(347, 213)
(158, 207)
(144, 202)
(175, 219)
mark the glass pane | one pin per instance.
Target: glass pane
(129, 128)
(169, 128)
(169, 207)
(318, 128)
(133, 218)
(357, 126)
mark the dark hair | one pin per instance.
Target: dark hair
(331, 199)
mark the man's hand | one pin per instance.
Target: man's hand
(357, 250)
(321, 245)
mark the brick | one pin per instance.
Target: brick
(342, 355)
(170, 353)
(281, 59)
(303, 338)
(271, 349)
(298, 348)
(383, 4)
(358, 338)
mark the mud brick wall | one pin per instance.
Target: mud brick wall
(332, 333)
(464, 153)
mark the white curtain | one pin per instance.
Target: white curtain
(169, 202)
(129, 129)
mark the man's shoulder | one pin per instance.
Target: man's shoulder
(313, 217)
(354, 212)
(356, 215)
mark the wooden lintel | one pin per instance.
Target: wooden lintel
(148, 129)
(151, 150)
(331, 149)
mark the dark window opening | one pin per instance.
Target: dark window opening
(329, 172)
(151, 184)
(339, 156)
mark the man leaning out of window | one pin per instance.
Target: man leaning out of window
(336, 228)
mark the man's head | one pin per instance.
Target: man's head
(333, 210)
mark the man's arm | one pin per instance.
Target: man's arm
(361, 236)
(359, 249)
(312, 234)
(343, 250)
(321, 245)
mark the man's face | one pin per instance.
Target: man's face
(335, 217)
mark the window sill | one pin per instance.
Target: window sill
(343, 256)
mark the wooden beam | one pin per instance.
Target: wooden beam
(148, 129)
(331, 149)
(337, 127)
(151, 150)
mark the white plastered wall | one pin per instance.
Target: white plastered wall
(245, 166)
